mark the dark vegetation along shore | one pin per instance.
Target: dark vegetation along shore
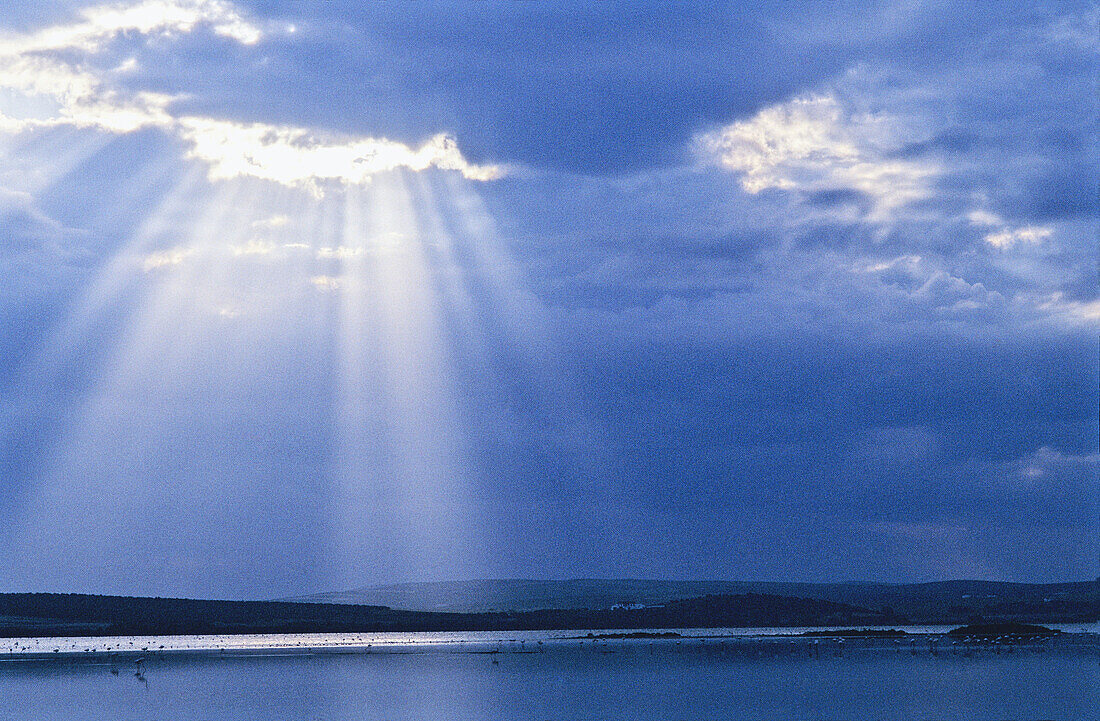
(30, 615)
(27, 615)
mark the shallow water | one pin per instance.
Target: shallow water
(380, 642)
(733, 678)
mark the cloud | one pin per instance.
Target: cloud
(53, 69)
(53, 63)
(275, 221)
(984, 218)
(909, 264)
(296, 156)
(99, 25)
(325, 282)
(53, 75)
(1029, 235)
(815, 144)
(340, 252)
(1004, 236)
(779, 355)
(21, 220)
(165, 258)
(253, 247)
(1057, 305)
(1047, 461)
(1080, 31)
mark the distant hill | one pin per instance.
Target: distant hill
(543, 605)
(24, 615)
(526, 595)
(54, 614)
(937, 602)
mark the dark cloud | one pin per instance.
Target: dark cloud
(577, 88)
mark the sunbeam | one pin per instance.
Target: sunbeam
(174, 352)
(458, 305)
(403, 459)
(112, 283)
(32, 161)
(359, 297)
(112, 427)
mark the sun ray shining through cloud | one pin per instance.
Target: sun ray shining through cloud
(320, 295)
(57, 372)
(79, 487)
(113, 278)
(407, 470)
(294, 156)
(452, 276)
(514, 304)
(38, 159)
(215, 273)
(212, 325)
(43, 89)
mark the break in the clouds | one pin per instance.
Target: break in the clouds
(57, 77)
(814, 145)
(789, 291)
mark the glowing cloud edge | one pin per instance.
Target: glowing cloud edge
(291, 156)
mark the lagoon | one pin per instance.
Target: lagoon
(561, 676)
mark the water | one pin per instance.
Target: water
(448, 677)
(321, 642)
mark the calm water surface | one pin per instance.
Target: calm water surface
(732, 678)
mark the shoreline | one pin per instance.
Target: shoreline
(130, 648)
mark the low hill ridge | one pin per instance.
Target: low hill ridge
(83, 615)
(954, 601)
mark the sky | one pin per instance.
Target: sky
(306, 296)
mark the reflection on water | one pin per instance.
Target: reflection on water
(755, 678)
(398, 641)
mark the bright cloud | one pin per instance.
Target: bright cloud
(51, 74)
(99, 25)
(296, 156)
(1002, 236)
(325, 282)
(253, 247)
(984, 218)
(903, 262)
(1028, 235)
(166, 258)
(52, 64)
(815, 144)
(1074, 311)
(275, 221)
(340, 252)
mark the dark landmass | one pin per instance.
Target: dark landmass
(1004, 630)
(859, 633)
(941, 602)
(600, 605)
(26, 615)
(635, 634)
